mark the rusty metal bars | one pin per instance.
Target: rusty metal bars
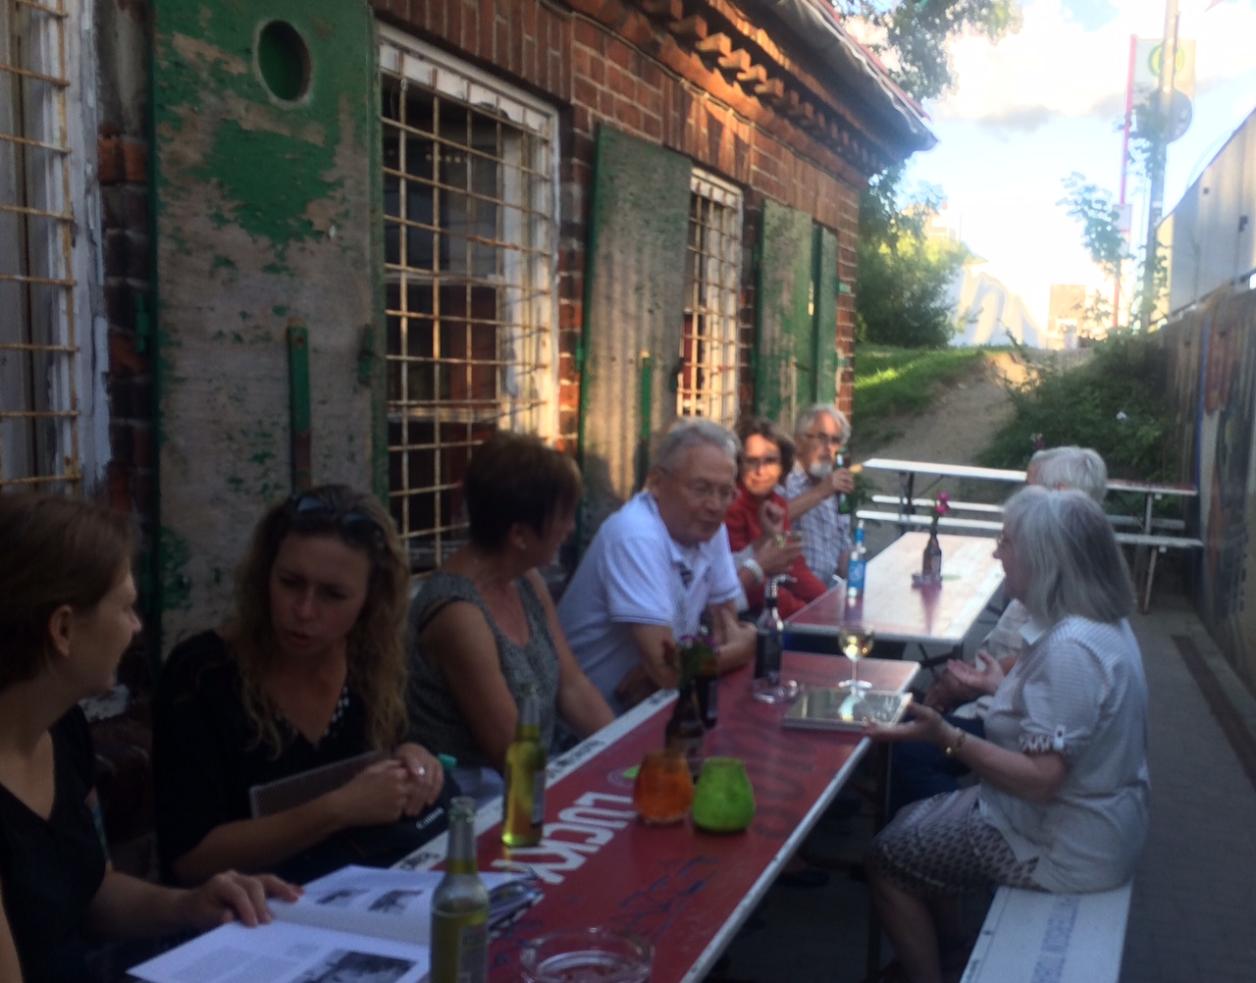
(709, 343)
(470, 251)
(39, 404)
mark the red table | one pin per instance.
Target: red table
(686, 891)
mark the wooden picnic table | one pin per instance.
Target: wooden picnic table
(899, 612)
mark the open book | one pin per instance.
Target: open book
(360, 923)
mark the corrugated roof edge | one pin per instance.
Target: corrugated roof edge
(819, 27)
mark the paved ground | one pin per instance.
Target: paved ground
(1192, 916)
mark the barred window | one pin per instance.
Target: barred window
(709, 343)
(470, 238)
(40, 148)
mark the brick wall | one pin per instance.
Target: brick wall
(606, 61)
(123, 169)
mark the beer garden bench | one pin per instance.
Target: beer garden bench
(1032, 936)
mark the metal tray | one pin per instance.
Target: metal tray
(830, 708)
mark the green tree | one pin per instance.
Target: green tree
(904, 274)
(911, 35)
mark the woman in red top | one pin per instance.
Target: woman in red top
(766, 455)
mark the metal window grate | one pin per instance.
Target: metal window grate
(39, 410)
(470, 238)
(709, 343)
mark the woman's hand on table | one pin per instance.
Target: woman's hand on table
(922, 723)
(427, 774)
(233, 897)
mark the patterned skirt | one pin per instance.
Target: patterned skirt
(942, 846)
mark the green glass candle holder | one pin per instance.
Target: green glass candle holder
(723, 801)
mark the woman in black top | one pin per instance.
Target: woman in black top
(310, 673)
(66, 617)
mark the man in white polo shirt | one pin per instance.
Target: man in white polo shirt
(656, 565)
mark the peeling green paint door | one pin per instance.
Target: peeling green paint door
(633, 312)
(796, 313)
(265, 158)
(784, 345)
(823, 385)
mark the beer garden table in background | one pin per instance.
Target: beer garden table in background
(1151, 536)
(685, 891)
(900, 613)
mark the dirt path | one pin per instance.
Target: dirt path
(960, 423)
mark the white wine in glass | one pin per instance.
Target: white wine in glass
(856, 643)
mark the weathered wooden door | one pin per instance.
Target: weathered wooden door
(634, 296)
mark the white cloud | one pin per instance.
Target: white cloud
(1055, 67)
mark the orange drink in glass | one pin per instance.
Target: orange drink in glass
(663, 791)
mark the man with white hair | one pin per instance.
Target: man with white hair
(656, 566)
(812, 487)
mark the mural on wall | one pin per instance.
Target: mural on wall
(1218, 341)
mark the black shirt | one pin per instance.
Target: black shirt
(206, 758)
(51, 869)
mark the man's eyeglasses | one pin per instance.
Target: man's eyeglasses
(308, 512)
(704, 490)
(833, 440)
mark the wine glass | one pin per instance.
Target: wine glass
(856, 642)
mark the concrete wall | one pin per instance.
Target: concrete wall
(1212, 366)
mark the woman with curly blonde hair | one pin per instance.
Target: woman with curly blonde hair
(309, 675)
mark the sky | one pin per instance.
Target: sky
(1036, 106)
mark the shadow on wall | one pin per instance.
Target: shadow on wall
(1212, 375)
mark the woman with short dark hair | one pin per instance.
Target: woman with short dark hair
(483, 627)
(308, 676)
(767, 454)
(1061, 804)
(66, 617)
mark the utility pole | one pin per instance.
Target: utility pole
(1160, 124)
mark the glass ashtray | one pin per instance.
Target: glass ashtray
(586, 955)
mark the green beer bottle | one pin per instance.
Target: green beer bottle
(460, 906)
(523, 809)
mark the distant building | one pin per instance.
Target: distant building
(987, 312)
(1071, 317)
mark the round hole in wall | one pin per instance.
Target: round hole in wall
(284, 61)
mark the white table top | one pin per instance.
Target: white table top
(899, 612)
(1015, 477)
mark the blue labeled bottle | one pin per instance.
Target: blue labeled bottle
(857, 566)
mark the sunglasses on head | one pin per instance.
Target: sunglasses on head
(307, 512)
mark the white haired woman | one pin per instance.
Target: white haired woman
(1061, 804)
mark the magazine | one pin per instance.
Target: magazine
(359, 923)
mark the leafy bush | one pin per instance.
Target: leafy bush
(1113, 403)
